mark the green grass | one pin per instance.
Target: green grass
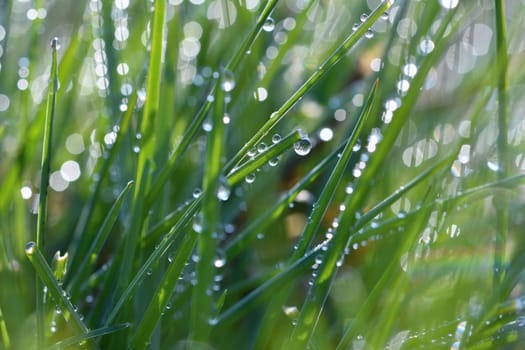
(262, 175)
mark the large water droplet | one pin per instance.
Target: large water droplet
(302, 147)
(269, 25)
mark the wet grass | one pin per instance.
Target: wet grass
(261, 175)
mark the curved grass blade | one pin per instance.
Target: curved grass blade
(79, 339)
(92, 253)
(81, 236)
(59, 295)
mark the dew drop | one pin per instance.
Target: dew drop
(55, 44)
(197, 223)
(363, 17)
(260, 235)
(261, 147)
(369, 34)
(197, 193)
(426, 46)
(273, 162)
(220, 261)
(449, 4)
(250, 178)
(302, 147)
(355, 27)
(276, 138)
(30, 248)
(269, 25)
(223, 190)
(228, 81)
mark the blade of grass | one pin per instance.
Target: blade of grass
(154, 257)
(328, 64)
(236, 175)
(82, 270)
(318, 212)
(147, 147)
(44, 184)
(4, 335)
(59, 295)
(82, 237)
(79, 339)
(327, 194)
(318, 291)
(207, 242)
(165, 290)
(501, 200)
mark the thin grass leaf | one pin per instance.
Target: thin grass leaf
(81, 237)
(4, 335)
(44, 183)
(211, 208)
(59, 295)
(502, 200)
(164, 292)
(91, 255)
(147, 147)
(80, 339)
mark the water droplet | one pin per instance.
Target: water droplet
(55, 44)
(449, 4)
(30, 248)
(213, 321)
(369, 33)
(207, 126)
(260, 235)
(273, 162)
(53, 327)
(197, 193)
(426, 46)
(302, 147)
(223, 191)
(355, 27)
(220, 260)
(197, 223)
(250, 178)
(276, 138)
(269, 25)
(261, 147)
(252, 152)
(228, 81)
(363, 17)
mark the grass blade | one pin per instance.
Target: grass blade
(98, 242)
(44, 183)
(59, 295)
